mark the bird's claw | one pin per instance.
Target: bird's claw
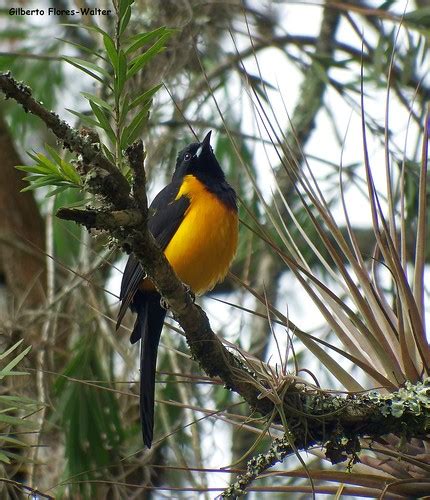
(164, 304)
(192, 294)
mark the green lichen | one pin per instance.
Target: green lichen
(412, 398)
(257, 465)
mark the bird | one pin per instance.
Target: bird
(194, 220)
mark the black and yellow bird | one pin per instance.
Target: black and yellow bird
(194, 221)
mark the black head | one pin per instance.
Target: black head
(198, 159)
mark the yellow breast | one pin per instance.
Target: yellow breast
(205, 243)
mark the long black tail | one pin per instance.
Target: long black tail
(148, 326)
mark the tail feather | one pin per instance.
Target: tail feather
(148, 326)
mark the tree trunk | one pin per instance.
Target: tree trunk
(22, 231)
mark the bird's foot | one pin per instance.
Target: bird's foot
(192, 294)
(164, 304)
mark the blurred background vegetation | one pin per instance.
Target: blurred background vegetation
(286, 87)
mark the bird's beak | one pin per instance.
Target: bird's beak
(204, 145)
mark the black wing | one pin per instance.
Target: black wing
(166, 215)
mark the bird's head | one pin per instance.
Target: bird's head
(198, 159)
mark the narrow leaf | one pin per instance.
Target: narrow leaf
(103, 121)
(89, 27)
(139, 62)
(99, 101)
(125, 20)
(145, 97)
(138, 41)
(82, 48)
(132, 131)
(123, 6)
(85, 70)
(17, 421)
(121, 74)
(111, 51)
(87, 120)
(82, 63)
(34, 169)
(420, 247)
(11, 349)
(124, 109)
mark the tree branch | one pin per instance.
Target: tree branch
(279, 449)
(96, 219)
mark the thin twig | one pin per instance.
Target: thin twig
(278, 450)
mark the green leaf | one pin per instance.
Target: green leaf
(54, 155)
(18, 401)
(108, 153)
(16, 457)
(48, 180)
(121, 74)
(8, 410)
(419, 17)
(41, 159)
(61, 188)
(87, 65)
(13, 441)
(50, 173)
(125, 19)
(138, 41)
(132, 131)
(82, 48)
(8, 419)
(139, 62)
(125, 108)
(11, 373)
(65, 168)
(57, 190)
(111, 51)
(103, 121)
(11, 349)
(89, 414)
(82, 68)
(98, 100)
(123, 6)
(145, 97)
(4, 458)
(70, 173)
(34, 169)
(87, 120)
(89, 27)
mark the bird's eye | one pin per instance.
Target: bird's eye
(187, 156)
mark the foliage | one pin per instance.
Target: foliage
(90, 418)
(50, 172)
(121, 121)
(15, 410)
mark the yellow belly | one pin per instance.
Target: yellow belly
(205, 243)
